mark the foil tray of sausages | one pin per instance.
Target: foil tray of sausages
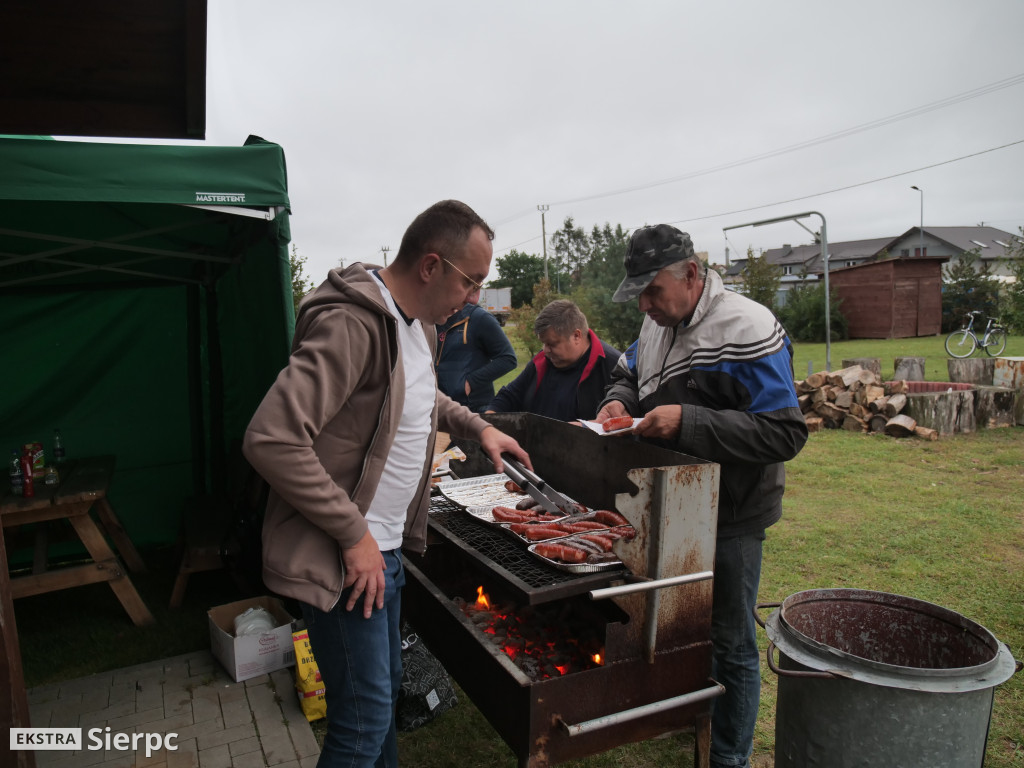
(550, 552)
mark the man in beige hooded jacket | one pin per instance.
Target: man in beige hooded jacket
(345, 438)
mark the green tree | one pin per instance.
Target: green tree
(572, 250)
(803, 314)
(761, 280)
(520, 272)
(521, 319)
(617, 323)
(300, 286)
(1012, 300)
(969, 285)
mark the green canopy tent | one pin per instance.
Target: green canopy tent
(145, 308)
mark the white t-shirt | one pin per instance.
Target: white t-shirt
(404, 466)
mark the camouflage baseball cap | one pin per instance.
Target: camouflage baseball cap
(650, 249)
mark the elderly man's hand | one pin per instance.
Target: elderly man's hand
(495, 442)
(610, 411)
(663, 422)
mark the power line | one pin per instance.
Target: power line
(974, 93)
(819, 194)
(899, 116)
(849, 186)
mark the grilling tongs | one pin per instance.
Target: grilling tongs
(551, 500)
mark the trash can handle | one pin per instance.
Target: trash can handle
(757, 616)
(795, 672)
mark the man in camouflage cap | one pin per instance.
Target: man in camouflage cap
(650, 249)
(712, 376)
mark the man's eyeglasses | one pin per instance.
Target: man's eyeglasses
(476, 286)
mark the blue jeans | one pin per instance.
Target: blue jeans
(736, 659)
(360, 662)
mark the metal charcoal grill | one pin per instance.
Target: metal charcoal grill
(655, 617)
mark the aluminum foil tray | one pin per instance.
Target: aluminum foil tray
(479, 495)
(574, 567)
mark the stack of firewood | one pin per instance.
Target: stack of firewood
(856, 400)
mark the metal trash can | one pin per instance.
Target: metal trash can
(875, 679)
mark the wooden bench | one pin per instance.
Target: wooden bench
(83, 487)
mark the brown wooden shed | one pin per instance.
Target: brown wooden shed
(891, 299)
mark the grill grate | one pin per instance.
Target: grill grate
(497, 546)
(508, 558)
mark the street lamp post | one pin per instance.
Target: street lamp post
(824, 259)
(920, 229)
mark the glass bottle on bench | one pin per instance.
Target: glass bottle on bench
(27, 486)
(15, 472)
(58, 447)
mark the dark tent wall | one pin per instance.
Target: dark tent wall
(137, 323)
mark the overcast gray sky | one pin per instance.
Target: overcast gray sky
(630, 113)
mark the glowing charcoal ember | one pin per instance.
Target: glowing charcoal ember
(540, 640)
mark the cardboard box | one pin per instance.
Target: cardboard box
(251, 655)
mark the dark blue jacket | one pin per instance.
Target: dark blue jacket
(471, 346)
(537, 389)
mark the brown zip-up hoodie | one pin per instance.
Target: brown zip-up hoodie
(322, 434)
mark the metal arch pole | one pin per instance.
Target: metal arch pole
(828, 310)
(824, 260)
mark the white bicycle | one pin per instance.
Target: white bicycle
(962, 343)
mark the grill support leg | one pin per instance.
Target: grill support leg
(702, 742)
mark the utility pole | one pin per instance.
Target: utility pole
(544, 237)
(384, 249)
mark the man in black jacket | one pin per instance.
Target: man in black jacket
(567, 378)
(472, 352)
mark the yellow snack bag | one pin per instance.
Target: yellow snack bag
(308, 685)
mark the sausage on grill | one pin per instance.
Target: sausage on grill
(560, 552)
(608, 517)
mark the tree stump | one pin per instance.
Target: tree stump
(946, 412)
(1009, 372)
(909, 368)
(971, 370)
(873, 364)
(994, 407)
